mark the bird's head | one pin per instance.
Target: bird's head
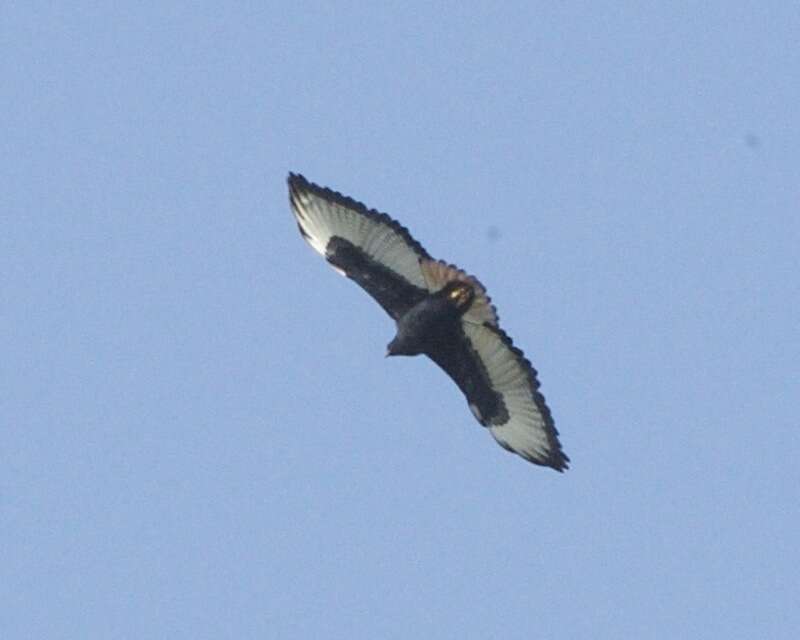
(399, 347)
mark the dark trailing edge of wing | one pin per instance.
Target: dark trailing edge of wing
(393, 292)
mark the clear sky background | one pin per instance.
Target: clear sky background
(199, 434)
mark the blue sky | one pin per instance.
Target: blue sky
(200, 435)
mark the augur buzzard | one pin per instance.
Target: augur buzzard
(440, 312)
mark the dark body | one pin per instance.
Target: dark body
(427, 325)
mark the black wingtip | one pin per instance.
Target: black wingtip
(560, 464)
(296, 180)
(558, 460)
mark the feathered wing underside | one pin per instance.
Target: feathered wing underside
(367, 246)
(502, 391)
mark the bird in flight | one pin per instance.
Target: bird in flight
(440, 312)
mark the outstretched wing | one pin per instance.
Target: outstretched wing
(367, 246)
(502, 390)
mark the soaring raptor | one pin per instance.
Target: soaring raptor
(440, 312)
